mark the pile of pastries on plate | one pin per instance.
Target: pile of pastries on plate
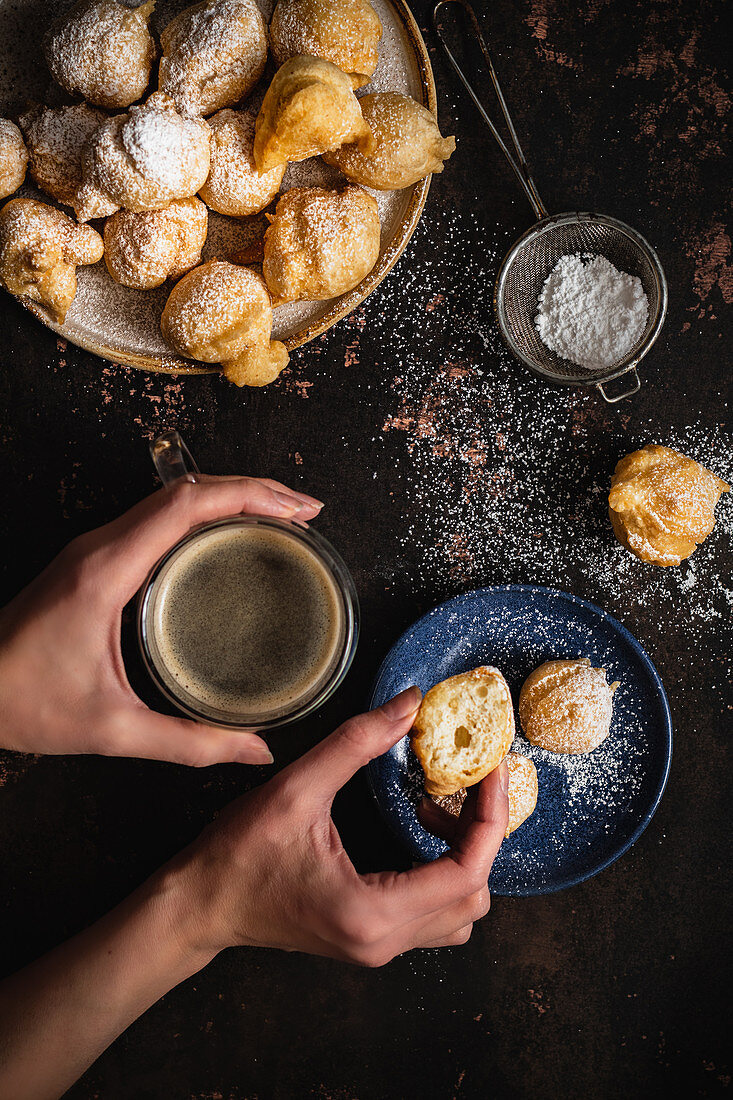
(153, 161)
(661, 506)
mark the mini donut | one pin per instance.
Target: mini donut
(143, 160)
(13, 158)
(40, 248)
(407, 144)
(143, 250)
(213, 55)
(320, 243)
(217, 313)
(662, 504)
(102, 51)
(344, 32)
(567, 706)
(234, 186)
(309, 108)
(55, 139)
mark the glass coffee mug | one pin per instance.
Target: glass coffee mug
(248, 621)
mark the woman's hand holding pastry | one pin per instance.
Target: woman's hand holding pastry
(272, 870)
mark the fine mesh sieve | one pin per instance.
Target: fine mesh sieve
(534, 255)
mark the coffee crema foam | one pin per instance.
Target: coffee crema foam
(247, 621)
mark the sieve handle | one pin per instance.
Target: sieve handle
(518, 164)
(172, 459)
(633, 388)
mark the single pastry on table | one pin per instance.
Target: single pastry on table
(13, 158)
(309, 108)
(662, 504)
(143, 160)
(407, 144)
(567, 706)
(320, 243)
(344, 32)
(522, 792)
(143, 250)
(221, 313)
(55, 137)
(234, 186)
(463, 730)
(102, 51)
(40, 248)
(213, 55)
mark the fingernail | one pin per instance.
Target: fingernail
(503, 777)
(256, 754)
(312, 501)
(291, 503)
(403, 704)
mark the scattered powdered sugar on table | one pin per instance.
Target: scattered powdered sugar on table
(590, 312)
(482, 438)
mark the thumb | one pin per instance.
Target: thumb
(328, 766)
(148, 735)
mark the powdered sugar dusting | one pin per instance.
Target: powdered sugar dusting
(158, 142)
(344, 32)
(101, 51)
(55, 138)
(213, 54)
(567, 707)
(234, 186)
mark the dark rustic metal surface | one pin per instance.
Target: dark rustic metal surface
(443, 467)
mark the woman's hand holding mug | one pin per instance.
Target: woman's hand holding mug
(271, 870)
(63, 687)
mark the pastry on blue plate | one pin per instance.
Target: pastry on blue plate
(567, 706)
(463, 729)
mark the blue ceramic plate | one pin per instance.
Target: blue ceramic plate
(590, 808)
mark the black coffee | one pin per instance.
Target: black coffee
(247, 621)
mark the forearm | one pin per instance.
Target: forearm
(59, 1014)
(15, 687)
(26, 702)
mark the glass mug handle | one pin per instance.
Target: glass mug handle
(172, 459)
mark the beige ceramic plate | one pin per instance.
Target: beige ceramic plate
(122, 324)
